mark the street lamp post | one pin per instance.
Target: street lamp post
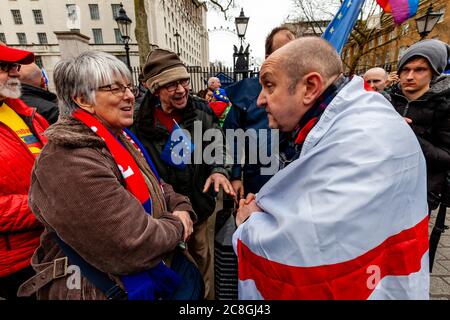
(427, 22)
(124, 22)
(240, 57)
(177, 35)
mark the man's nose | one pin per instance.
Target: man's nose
(261, 101)
(14, 73)
(180, 89)
(410, 74)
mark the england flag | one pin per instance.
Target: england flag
(348, 219)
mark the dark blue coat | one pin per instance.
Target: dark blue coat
(245, 114)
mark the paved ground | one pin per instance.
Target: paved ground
(440, 278)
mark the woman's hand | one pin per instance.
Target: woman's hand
(187, 223)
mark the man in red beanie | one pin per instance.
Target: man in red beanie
(21, 140)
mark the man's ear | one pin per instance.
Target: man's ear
(83, 104)
(313, 87)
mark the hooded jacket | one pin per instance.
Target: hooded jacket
(430, 115)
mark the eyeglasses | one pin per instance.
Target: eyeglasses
(172, 86)
(7, 67)
(119, 89)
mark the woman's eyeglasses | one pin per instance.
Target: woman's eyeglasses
(119, 89)
(7, 67)
(172, 86)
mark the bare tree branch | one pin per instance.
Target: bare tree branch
(223, 7)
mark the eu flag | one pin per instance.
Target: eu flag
(178, 148)
(342, 24)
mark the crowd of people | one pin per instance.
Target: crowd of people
(93, 179)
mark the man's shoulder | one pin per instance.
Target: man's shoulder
(243, 93)
(19, 106)
(31, 92)
(356, 112)
(200, 105)
(441, 85)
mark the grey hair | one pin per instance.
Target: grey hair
(82, 75)
(210, 80)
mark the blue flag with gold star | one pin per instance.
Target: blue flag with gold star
(342, 24)
(178, 148)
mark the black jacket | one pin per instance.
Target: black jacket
(154, 136)
(430, 115)
(44, 101)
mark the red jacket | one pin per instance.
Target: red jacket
(19, 230)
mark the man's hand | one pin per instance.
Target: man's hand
(187, 223)
(246, 207)
(219, 180)
(392, 79)
(408, 120)
(238, 187)
(250, 197)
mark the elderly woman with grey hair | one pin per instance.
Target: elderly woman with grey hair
(103, 206)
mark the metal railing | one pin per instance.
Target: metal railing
(200, 76)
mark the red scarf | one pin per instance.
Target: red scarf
(135, 182)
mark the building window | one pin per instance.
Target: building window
(405, 28)
(38, 61)
(22, 38)
(98, 36)
(42, 36)
(93, 9)
(443, 15)
(115, 10)
(16, 16)
(118, 36)
(387, 59)
(73, 14)
(401, 52)
(38, 19)
(393, 34)
(380, 40)
(377, 60)
(2, 37)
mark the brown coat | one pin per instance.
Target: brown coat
(78, 191)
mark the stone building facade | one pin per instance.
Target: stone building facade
(387, 44)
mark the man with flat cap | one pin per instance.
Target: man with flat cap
(422, 97)
(166, 106)
(21, 140)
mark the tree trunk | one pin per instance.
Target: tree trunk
(141, 31)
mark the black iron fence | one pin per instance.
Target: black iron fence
(200, 76)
